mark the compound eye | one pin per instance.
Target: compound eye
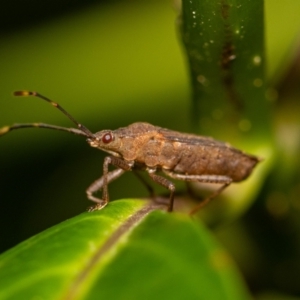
(107, 138)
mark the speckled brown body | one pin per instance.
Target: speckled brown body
(155, 147)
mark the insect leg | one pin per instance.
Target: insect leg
(106, 178)
(206, 200)
(98, 185)
(225, 180)
(165, 183)
(147, 185)
(200, 178)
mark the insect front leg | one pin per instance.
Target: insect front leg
(165, 183)
(107, 177)
(222, 179)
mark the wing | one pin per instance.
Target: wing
(191, 139)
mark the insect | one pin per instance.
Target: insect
(142, 146)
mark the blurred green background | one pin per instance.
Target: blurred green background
(111, 63)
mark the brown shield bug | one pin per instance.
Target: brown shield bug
(142, 146)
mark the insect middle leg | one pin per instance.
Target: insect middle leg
(145, 183)
(222, 179)
(107, 177)
(165, 183)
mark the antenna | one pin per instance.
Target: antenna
(82, 130)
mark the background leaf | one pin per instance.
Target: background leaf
(224, 43)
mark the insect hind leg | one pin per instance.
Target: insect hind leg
(209, 198)
(222, 179)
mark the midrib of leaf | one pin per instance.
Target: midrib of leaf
(105, 253)
(54, 252)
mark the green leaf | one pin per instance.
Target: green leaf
(282, 36)
(125, 251)
(224, 42)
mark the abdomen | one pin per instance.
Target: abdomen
(207, 160)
